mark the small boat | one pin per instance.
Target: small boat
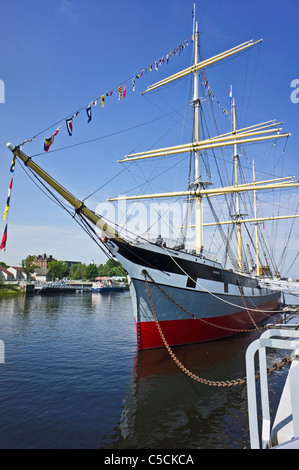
(106, 285)
(54, 288)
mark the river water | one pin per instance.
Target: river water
(72, 379)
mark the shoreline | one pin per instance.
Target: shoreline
(9, 290)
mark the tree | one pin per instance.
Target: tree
(58, 269)
(111, 268)
(91, 272)
(77, 271)
(28, 265)
(114, 268)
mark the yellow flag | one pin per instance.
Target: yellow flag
(5, 212)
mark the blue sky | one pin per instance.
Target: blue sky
(59, 55)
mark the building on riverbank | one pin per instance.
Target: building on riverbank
(6, 275)
(18, 273)
(42, 260)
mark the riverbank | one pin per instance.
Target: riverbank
(8, 290)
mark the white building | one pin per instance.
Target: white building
(18, 273)
(6, 275)
(41, 274)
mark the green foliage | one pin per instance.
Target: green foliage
(28, 265)
(111, 268)
(77, 272)
(91, 271)
(58, 269)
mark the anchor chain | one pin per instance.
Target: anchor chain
(213, 383)
(236, 330)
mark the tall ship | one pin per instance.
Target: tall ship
(181, 294)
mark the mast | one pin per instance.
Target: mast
(256, 227)
(198, 188)
(237, 199)
(197, 158)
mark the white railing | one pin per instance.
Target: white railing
(284, 337)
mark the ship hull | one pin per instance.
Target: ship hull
(194, 299)
(215, 318)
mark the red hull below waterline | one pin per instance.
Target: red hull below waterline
(179, 332)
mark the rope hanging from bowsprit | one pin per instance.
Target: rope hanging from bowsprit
(212, 383)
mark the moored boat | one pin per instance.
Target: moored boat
(106, 285)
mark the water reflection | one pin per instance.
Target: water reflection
(73, 377)
(164, 408)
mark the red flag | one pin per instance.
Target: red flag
(69, 125)
(4, 238)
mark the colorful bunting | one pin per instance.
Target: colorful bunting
(69, 126)
(6, 208)
(13, 164)
(48, 142)
(122, 92)
(4, 239)
(10, 186)
(69, 123)
(25, 141)
(8, 199)
(210, 92)
(88, 111)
